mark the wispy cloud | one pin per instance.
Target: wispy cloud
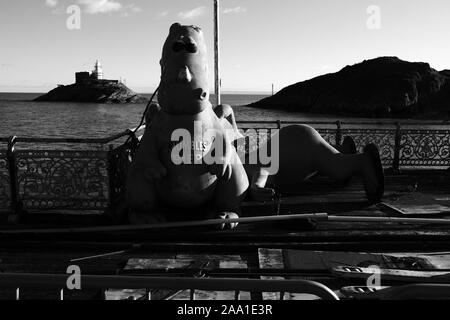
(162, 14)
(100, 6)
(134, 8)
(235, 10)
(108, 6)
(51, 3)
(55, 6)
(129, 9)
(192, 14)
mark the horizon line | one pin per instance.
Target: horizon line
(151, 92)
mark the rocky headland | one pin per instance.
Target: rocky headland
(381, 87)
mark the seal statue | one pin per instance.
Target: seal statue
(303, 153)
(186, 159)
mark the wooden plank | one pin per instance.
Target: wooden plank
(155, 263)
(427, 260)
(417, 203)
(271, 259)
(410, 276)
(217, 261)
(185, 261)
(326, 260)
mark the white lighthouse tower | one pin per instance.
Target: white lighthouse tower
(98, 71)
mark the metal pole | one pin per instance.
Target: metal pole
(397, 146)
(216, 52)
(165, 225)
(35, 280)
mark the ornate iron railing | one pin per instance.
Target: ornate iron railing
(62, 179)
(425, 145)
(80, 175)
(91, 175)
(5, 192)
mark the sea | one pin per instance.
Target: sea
(21, 116)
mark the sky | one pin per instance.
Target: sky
(262, 42)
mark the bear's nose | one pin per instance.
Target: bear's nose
(191, 45)
(184, 75)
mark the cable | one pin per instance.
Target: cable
(143, 115)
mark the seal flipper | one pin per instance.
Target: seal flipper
(225, 114)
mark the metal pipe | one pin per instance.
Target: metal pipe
(108, 139)
(182, 224)
(35, 280)
(213, 222)
(274, 122)
(216, 52)
(345, 219)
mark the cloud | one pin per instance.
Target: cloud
(109, 6)
(162, 14)
(101, 6)
(129, 9)
(235, 10)
(133, 8)
(192, 14)
(51, 3)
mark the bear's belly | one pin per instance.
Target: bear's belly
(187, 186)
(188, 182)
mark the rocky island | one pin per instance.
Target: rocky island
(381, 87)
(91, 87)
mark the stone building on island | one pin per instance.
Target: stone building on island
(96, 76)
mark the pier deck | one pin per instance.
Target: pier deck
(251, 249)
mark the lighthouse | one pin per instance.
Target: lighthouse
(97, 73)
(94, 77)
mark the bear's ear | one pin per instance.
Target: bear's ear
(174, 27)
(197, 28)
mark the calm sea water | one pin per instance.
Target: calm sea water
(20, 116)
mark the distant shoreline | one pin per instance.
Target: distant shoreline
(256, 93)
(30, 96)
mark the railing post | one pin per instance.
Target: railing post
(338, 133)
(192, 294)
(16, 207)
(278, 124)
(111, 183)
(398, 138)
